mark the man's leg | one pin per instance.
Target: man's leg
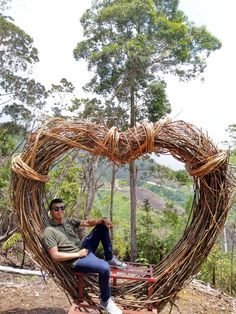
(99, 233)
(93, 264)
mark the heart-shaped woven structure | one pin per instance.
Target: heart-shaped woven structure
(212, 183)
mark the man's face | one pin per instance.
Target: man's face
(57, 210)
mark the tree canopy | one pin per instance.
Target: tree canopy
(132, 44)
(18, 91)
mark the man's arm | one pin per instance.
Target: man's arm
(65, 256)
(94, 222)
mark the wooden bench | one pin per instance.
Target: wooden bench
(134, 271)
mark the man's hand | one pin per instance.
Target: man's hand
(83, 253)
(107, 222)
(94, 222)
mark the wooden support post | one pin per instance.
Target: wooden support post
(80, 278)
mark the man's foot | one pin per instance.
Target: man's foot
(114, 262)
(110, 307)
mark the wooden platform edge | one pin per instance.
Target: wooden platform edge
(74, 309)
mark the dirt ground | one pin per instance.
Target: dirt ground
(32, 295)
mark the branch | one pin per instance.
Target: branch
(7, 234)
(6, 101)
(21, 271)
(7, 94)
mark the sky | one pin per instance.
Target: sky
(209, 105)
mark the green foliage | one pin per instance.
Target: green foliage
(165, 227)
(163, 173)
(87, 108)
(18, 52)
(178, 196)
(7, 143)
(147, 241)
(233, 157)
(230, 143)
(217, 270)
(182, 176)
(130, 44)
(121, 217)
(18, 92)
(64, 182)
(121, 204)
(157, 233)
(11, 241)
(5, 173)
(156, 101)
(20, 116)
(61, 93)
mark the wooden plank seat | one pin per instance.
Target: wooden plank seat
(134, 271)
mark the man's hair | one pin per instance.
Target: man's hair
(55, 201)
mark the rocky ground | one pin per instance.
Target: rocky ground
(32, 295)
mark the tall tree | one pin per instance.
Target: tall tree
(18, 91)
(61, 93)
(130, 45)
(232, 135)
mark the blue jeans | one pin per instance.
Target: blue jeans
(93, 264)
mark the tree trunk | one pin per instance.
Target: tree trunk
(90, 184)
(232, 279)
(89, 187)
(225, 241)
(214, 276)
(232, 269)
(132, 169)
(23, 255)
(133, 205)
(113, 177)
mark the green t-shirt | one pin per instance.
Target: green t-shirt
(63, 236)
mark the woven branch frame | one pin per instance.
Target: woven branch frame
(212, 183)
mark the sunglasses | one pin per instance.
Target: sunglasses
(57, 208)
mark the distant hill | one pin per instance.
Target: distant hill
(162, 193)
(157, 202)
(144, 170)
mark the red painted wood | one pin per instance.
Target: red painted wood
(134, 271)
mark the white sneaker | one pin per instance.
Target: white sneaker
(114, 262)
(110, 307)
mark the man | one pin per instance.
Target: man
(63, 245)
